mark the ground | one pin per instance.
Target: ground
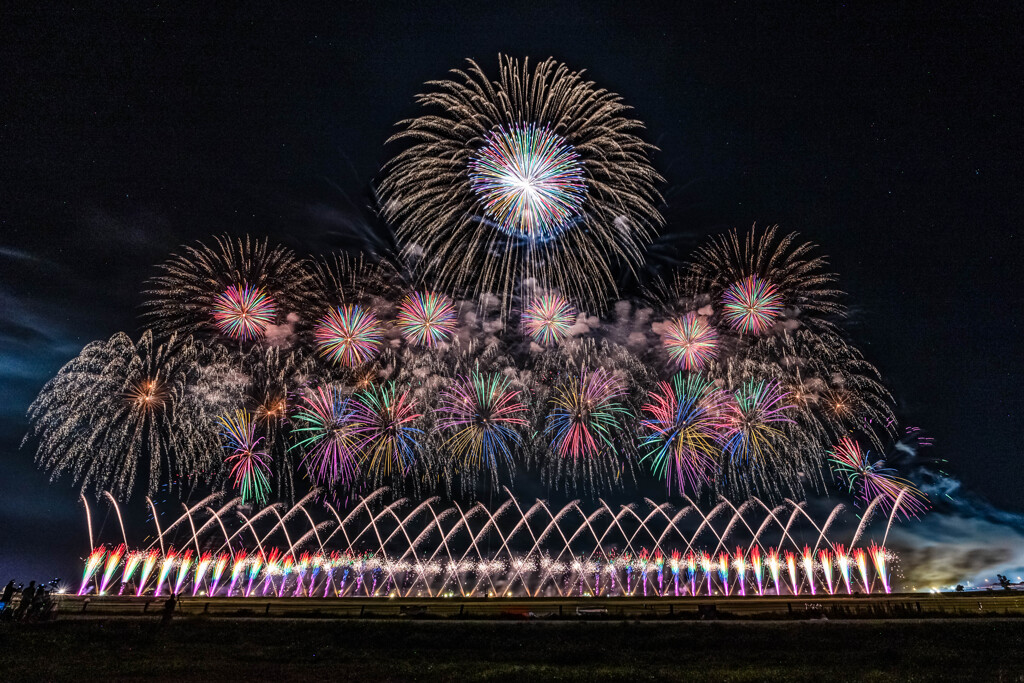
(118, 648)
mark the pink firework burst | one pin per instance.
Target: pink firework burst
(243, 312)
(751, 305)
(348, 335)
(691, 341)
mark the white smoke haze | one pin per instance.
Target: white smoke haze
(282, 336)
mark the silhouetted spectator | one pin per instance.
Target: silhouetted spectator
(8, 593)
(38, 603)
(26, 599)
(169, 606)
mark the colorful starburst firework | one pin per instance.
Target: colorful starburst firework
(324, 431)
(484, 415)
(869, 480)
(548, 319)
(426, 318)
(751, 305)
(348, 335)
(752, 418)
(529, 180)
(691, 341)
(384, 418)
(250, 466)
(243, 312)
(681, 430)
(586, 411)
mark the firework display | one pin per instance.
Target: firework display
(483, 418)
(529, 181)
(548, 319)
(426, 319)
(243, 312)
(348, 335)
(536, 176)
(691, 341)
(682, 429)
(247, 461)
(234, 287)
(490, 348)
(751, 305)
(324, 430)
(873, 481)
(408, 549)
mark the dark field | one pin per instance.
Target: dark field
(300, 650)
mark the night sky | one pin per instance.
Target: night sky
(891, 137)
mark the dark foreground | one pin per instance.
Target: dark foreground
(301, 650)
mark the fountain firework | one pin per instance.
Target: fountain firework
(405, 548)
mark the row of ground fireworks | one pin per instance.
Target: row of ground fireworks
(345, 574)
(495, 338)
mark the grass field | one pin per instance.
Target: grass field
(197, 648)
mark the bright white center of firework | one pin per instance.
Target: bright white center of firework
(529, 181)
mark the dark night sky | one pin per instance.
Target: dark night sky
(892, 137)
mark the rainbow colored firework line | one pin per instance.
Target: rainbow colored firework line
(434, 551)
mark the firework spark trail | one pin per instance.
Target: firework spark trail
(548, 319)
(165, 571)
(131, 563)
(772, 560)
(243, 312)
(723, 571)
(758, 567)
(91, 565)
(148, 564)
(184, 565)
(807, 562)
(843, 562)
(237, 569)
(323, 428)
(790, 560)
(427, 319)
(878, 558)
(249, 465)
(348, 335)
(255, 563)
(825, 558)
(682, 434)
(739, 563)
(203, 565)
(110, 566)
(218, 572)
(705, 567)
(860, 558)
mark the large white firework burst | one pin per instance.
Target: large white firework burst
(536, 177)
